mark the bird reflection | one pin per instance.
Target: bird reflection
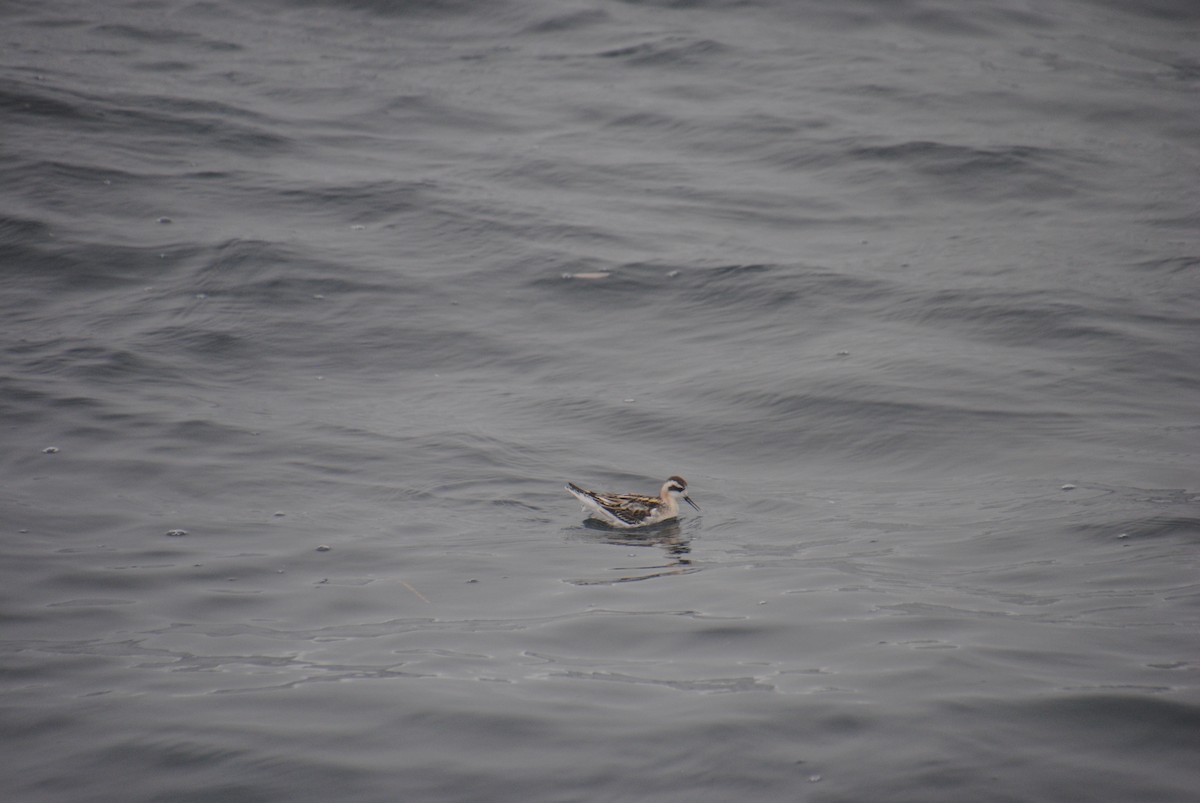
(668, 536)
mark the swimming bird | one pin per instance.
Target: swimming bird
(635, 510)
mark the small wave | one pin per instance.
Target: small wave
(670, 51)
(166, 36)
(569, 21)
(976, 173)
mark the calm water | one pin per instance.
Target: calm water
(308, 309)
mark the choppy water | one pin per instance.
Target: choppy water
(907, 290)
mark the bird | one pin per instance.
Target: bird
(634, 510)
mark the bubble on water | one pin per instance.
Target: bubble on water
(177, 533)
(1068, 487)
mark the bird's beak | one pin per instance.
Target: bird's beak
(688, 499)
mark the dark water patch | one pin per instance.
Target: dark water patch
(56, 22)
(73, 269)
(582, 177)
(812, 293)
(274, 272)
(165, 66)
(863, 422)
(807, 297)
(995, 21)
(1183, 264)
(704, 686)
(1168, 496)
(1152, 725)
(22, 403)
(428, 112)
(180, 126)
(39, 100)
(75, 197)
(165, 36)
(91, 602)
(797, 153)
(764, 211)
(171, 767)
(220, 133)
(204, 344)
(937, 21)
(682, 5)
(169, 110)
(405, 8)
(16, 234)
(237, 303)
(1185, 69)
(930, 19)
(1167, 10)
(64, 177)
(945, 22)
(106, 364)
(668, 52)
(217, 435)
(772, 140)
(180, 755)
(569, 21)
(171, 122)
(486, 236)
(634, 423)
(231, 177)
(400, 347)
(983, 174)
(1182, 527)
(1012, 318)
(361, 202)
(486, 469)
(663, 125)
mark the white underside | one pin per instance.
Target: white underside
(599, 511)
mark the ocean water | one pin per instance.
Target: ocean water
(308, 308)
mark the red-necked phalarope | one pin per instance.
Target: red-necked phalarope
(634, 510)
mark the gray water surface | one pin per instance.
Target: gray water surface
(309, 309)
